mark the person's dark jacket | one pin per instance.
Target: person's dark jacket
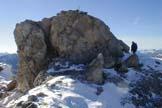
(134, 47)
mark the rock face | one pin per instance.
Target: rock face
(71, 35)
(30, 40)
(80, 37)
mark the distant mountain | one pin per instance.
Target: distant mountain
(6, 74)
(2, 54)
(10, 59)
(154, 52)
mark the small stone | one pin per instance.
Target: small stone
(32, 98)
(41, 94)
(3, 95)
(12, 85)
(99, 90)
(1, 68)
(157, 62)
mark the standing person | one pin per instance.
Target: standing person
(134, 47)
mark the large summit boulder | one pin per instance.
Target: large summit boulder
(79, 37)
(71, 35)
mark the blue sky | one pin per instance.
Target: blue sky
(129, 20)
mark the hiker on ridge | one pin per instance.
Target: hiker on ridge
(134, 47)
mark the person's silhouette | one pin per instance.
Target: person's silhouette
(134, 47)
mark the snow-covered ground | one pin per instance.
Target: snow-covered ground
(118, 91)
(65, 92)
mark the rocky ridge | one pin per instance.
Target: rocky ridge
(72, 35)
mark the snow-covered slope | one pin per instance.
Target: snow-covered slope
(66, 92)
(137, 88)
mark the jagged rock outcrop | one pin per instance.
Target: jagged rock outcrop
(132, 61)
(30, 40)
(71, 35)
(94, 72)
